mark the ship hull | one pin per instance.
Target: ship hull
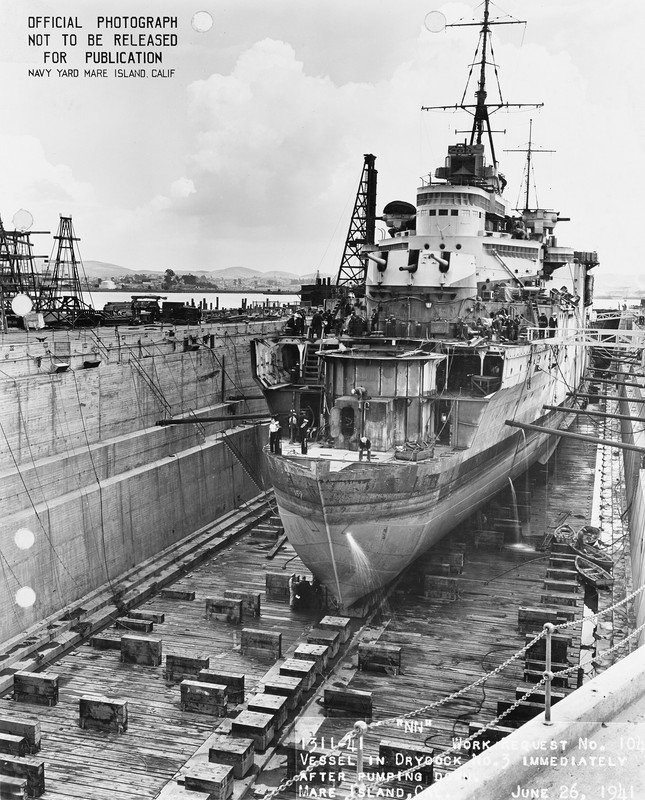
(358, 527)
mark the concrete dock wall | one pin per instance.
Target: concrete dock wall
(144, 375)
(90, 536)
(85, 468)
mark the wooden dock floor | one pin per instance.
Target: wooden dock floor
(449, 644)
(446, 645)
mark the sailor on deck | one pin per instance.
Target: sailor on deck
(304, 433)
(292, 325)
(293, 425)
(274, 435)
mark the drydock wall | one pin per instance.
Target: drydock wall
(84, 467)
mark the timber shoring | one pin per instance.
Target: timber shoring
(569, 435)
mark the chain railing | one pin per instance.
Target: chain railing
(359, 730)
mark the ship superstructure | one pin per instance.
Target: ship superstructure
(451, 335)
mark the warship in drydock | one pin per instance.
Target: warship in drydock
(453, 326)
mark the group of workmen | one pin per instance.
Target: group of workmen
(299, 430)
(323, 323)
(547, 325)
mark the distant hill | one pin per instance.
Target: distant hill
(104, 270)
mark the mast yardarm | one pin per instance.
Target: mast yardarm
(481, 110)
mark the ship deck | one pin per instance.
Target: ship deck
(446, 644)
(345, 456)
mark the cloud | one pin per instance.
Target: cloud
(269, 140)
(183, 187)
(30, 180)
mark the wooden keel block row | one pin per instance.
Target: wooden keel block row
(447, 564)
(536, 675)
(103, 713)
(141, 650)
(278, 586)
(341, 624)
(329, 638)
(177, 594)
(395, 757)
(233, 752)
(443, 568)
(559, 574)
(485, 739)
(225, 609)
(217, 779)
(441, 588)
(559, 648)
(256, 726)
(274, 704)
(204, 698)
(13, 745)
(551, 598)
(29, 769)
(24, 727)
(557, 585)
(251, 605)
(350, 703)
(490, 537)
(562, 562)
(234, 683)
(377, 657)
(457, 560)
(105, 643)
(36, 687)
(261, 644)
(138, 625)
(533, 618)
(560, 548)
(539, 695)
(265, 530)
(176, 791)
(285, 686)
(313, 652)
(298, 668)
(13, 788)
(179, 668)
(152, 616)
(519, 715)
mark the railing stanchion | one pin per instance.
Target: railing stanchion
(359, 727)
(548, 630)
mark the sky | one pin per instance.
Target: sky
(250, 153)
